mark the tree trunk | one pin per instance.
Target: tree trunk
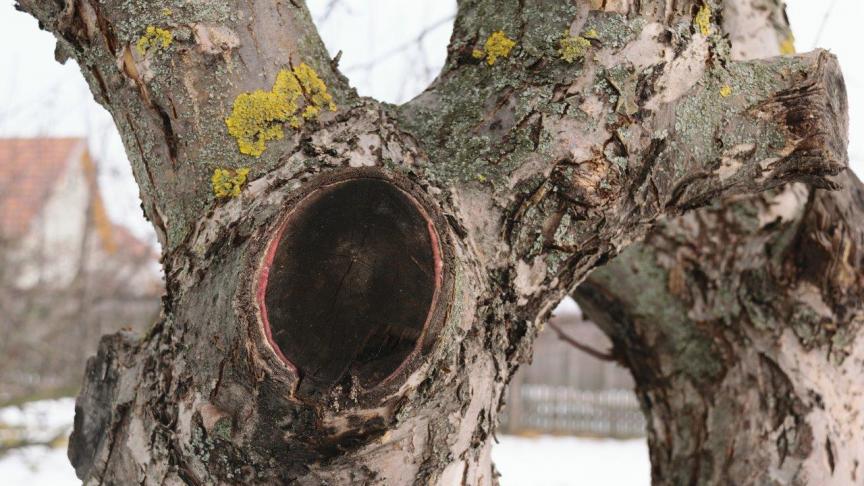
(353, 313)
(741, 323)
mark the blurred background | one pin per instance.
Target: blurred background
(77, 259)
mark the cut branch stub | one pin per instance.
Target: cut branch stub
(350, 284)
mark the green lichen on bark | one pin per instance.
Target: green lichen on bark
(704, 114)
(613, 29)
(697, 355)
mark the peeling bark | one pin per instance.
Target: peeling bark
(741, 323)
(530, 171)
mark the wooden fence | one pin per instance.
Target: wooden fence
(565, 391)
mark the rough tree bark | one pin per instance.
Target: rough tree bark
(355, 313)
(741, 323)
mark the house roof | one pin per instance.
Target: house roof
(29, 169)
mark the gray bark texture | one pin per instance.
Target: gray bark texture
(741, 323)
(557, 134)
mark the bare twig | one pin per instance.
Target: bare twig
(823, 23)
(402, 47)
(331, 7)
(576, 344)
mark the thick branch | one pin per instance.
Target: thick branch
(581, 158)
(170, 100)
(741, 323)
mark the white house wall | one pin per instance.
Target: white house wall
(51, 252)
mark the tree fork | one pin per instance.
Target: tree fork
(533, 160)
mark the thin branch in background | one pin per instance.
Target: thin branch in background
(823, 24)
(402, 47)
(328, 11)
(576, 344)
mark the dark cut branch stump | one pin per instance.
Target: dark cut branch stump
(350, 285)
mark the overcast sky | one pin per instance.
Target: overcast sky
(381, 55)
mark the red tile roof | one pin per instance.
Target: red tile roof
(29, 169)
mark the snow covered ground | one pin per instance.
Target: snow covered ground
(37, 466)
(44, 421)
(522, 461)
(571, 461)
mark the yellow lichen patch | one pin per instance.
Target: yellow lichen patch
(315, 91)
(591, 34)
(257, 117)
(725, 90)
(154, 38)
(229, 182)
(573, 47)
(787, 45)
(703, 19)
(497, 45)
(167, 12)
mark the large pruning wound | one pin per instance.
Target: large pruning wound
(349, 284)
